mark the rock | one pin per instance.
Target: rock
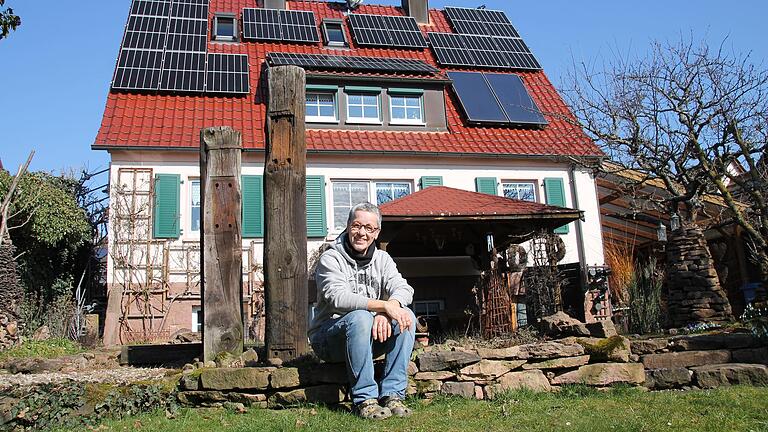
(197, 398)
(603, 374)
(530, 379)
(41, 334)
(250, 358)
(548, 350)
(511, 353)
(235, 378)
(226, 359)
(685, 359)
(562, 324)
(660, 379)
(186, 336)
(442, 360)
(327, 393)
(602, 329)
(463, 389)
(439, 375)
(559, 363)
(713, 342)
(412, 368)
(12, 328)
(275, 361)
(479, 393)
(284, 378)
(209, 364)
(648, 346)
(34, 365)
(430, 386)
(248, 399)
(613, 349)
(487, 370)
(711, 376)
(189, 382)
(750, 355)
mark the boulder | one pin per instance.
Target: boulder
(487, 370)
(250, 358)
(750, 355)
(235, 378)
(189, 382)
(439, 375)
(717, 375)
(602, 329)
(562, 324)
(559, 363)
(648, 346)
(284, 378)
(685, 359)
(612, 349)
(510, 353)
(34, 365)
(603, 374)
(327, 393)
(530, 379)
(463, 389)
(41, 334)
(713, 341)
(669, 378)
(443, 360)
(548, 350)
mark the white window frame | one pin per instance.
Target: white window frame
(372, 195)
(508, 183)
(196, 312)
(363, 120)
(190, 205)
(406, 121)
(323, 119)
(334, 22)
(438, 302)
(235, 29)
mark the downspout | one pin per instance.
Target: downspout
(579, 229)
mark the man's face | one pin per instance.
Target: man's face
(358, 230)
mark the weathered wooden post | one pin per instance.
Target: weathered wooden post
(285, 224)
(221, 274)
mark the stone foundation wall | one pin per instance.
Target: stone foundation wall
(481, 373)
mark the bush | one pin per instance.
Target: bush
(645, 298)
(51, 348)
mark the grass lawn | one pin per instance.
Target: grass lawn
(575, 409)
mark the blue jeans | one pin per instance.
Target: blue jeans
(349, 339)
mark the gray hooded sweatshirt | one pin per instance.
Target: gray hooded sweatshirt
(343, 286)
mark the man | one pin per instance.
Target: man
(362, 312)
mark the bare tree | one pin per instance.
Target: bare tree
(692, 117)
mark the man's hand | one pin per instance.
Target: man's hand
(396, 312)
(382, 329)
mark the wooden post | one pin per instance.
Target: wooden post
(285, 223)
(221, 252)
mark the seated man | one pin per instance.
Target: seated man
(362, 312)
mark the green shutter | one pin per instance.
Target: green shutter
(166, 215)
(486, 185)
(555, 194)
(316, 225)
(253, 206)
(427, 181)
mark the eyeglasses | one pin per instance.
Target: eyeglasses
(356, 227)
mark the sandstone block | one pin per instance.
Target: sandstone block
(327, 393)
(713, 341)
(602, 329)
(548, 350)
(200, 397)
(562, 324)
(487, 370)
(284, 378)
(429, 386)
(443, 360)
(648, 346)
(560, 363)
(603, 374)
(717, 375)
(751, 355)
(323, 373)
(250, 358)
(189, 382)
(530, 379)
(511, 353)
(235, 379)
(685, 359)
(479, 394)
(463, 389)
(439, 375)
(247, 399)
(659, 379)
(412, 368)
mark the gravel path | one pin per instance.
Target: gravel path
(119, 375)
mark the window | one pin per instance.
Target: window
(525, 191)
(427, 308)
(225, 27)
(406, 106)
(321, 107)
(197, 319)
(333, 32)
(363, 105)
(194, 205)
(348, 193)
(522, 314)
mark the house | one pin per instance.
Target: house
(398, 99)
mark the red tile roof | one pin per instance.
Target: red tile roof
(457, 203)
(157, 120)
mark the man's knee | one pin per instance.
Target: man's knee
(359, 322)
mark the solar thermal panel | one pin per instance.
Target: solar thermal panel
(476, 98)
(514, 99)
(332, 62)
(227, 73)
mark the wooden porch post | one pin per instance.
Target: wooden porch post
(285, 195)
(221, 250)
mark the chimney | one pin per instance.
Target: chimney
(419, 9)
(274, 4)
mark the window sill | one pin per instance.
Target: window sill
(364, 121)
(406, 123)
(321, 120)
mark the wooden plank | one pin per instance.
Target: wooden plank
(221, 275)
(156, 355)
(285, 237)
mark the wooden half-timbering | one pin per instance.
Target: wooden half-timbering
(285, 194)
(221, 275)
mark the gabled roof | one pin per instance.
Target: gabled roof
(457, 204)
(162, 120)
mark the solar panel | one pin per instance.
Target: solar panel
(484, 51)
(283, 25)
(138, 69)
(332, 62)
(379, 30)
(227, 73)
(190, 10)
(145, 32)
(187, 35)
(476, 98)
(514, 99)
(183, 71)
(450, 50)
(159, 8)
(480, 22)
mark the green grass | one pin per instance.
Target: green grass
(55, 347)
(575, 409)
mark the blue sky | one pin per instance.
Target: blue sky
(56, 68)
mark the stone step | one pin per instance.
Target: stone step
(718, 375)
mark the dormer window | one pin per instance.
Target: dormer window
(333, 33)
(225, 27)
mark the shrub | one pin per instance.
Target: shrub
(645, 298)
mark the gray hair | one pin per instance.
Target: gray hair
(366, 207)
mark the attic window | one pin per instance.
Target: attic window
(225, 27)
(333, 33)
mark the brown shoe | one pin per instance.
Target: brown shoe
(396, 406)
(370, 409)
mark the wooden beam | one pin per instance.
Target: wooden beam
(285, 223)
(221, 270)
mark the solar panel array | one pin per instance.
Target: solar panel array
(480, 22)
(495, 99)
(279, 25)
(165, 48)
(355, 63)
(391, 31)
